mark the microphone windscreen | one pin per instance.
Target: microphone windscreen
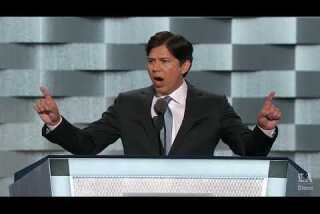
(160, 106)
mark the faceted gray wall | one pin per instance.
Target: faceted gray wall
(86, 62)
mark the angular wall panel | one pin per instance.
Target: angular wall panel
(14, 110)
(307, 58)
(202, 30)
(263, 57)
(214, 82)
(133, 30)
(264, 30)
(261, 83)
(24, 137)
(18, 56)
(20, 82)
(73, 83)
(73, 57)
(122, 81)
(20, 29)
(212, 57)
(59, 82)
(72, 30)
(307, 111)
(307, 138)
(307, 84)
(308, 30)
(126, 57)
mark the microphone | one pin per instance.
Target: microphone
(160, 108)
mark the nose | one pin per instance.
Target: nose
(154, 66)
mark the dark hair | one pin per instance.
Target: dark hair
(177, 45)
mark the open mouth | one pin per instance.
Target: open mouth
(158, 78)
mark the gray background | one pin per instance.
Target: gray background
(86, 62)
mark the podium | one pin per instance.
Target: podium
(171, 176)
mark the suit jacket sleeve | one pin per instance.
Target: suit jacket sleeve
(90, 140)
(239, 138)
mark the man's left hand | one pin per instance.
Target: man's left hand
(269, 115)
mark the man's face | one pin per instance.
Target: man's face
(165, 71)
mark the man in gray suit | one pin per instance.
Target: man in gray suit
(171, 117)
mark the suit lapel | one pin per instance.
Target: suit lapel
(147, 96)
(192, 114)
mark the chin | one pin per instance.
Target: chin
(161, 92)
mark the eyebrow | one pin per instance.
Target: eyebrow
(159, 58)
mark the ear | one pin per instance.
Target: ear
(185, 67)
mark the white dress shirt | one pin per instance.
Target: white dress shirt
(177, 106)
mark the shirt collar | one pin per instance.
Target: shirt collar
(180, 94)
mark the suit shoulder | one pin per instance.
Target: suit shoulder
(135, 92)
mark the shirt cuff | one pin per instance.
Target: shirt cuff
(51, 128)
(270, 133)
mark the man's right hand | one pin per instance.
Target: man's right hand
(47, 108)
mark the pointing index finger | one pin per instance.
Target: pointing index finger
(268, 100)
(45, 92)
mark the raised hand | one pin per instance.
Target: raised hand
(269, 115)
(47, 108)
